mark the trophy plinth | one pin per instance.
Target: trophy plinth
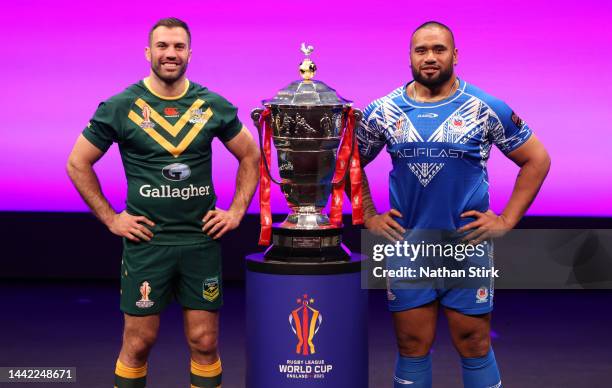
(308, 123)
(307, 245)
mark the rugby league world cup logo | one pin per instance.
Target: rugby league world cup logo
(145, 291)
(305, 322)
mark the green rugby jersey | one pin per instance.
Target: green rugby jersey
(165, 146)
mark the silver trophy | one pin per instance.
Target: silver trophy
(307, 121)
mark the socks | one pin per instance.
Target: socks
(412, 372)
(205, 376)
(126, 377)
(481, 372)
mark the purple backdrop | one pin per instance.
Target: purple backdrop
(549, 62)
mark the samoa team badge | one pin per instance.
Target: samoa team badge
(457, 121)
(210, 288)
(482, 294)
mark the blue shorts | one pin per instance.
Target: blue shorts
(467, 295)
(467, 301)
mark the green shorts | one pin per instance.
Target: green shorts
(151, 275)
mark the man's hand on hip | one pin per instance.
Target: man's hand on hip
(487, 225)
(384, 225)
(218, 222)
(131, 227)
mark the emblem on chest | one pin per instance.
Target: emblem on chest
(171, 112)
(174, 138)
(456, 125)
(457, 122)
(146, 119)
(196, 116)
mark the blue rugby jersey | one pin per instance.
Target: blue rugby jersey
(439, 152)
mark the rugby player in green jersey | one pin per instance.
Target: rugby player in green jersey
(164, 126)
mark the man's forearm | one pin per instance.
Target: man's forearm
(369, 210)
(528, 183)
(86, 182)
(246, 183)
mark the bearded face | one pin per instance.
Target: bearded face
(169, 53)
(432, 56)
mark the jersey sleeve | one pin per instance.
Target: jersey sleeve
(508, 131)
(370, 135)
(230, 124)
(102, 130)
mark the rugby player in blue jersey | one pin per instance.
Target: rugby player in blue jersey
(439, 131)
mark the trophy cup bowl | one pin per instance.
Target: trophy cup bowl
(307, 120)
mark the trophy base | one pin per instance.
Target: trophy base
(307, 245)
(309, 217)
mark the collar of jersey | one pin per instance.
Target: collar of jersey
(436, 104)
(145, 82)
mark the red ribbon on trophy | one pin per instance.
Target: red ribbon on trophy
(264, 181)
(348, 153)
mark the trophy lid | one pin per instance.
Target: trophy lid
(307, 92)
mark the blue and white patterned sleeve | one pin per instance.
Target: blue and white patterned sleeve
(508, 131)
(370, 136)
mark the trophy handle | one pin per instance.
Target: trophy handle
(358, 116)
(256, 116)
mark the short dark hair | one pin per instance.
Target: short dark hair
(433, 23)
(171, 23)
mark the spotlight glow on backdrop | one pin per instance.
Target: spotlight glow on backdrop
(549, 62)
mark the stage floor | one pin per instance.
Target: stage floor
(541, 338)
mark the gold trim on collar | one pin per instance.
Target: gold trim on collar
(146, 84)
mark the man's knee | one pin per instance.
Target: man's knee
(137, 344)
(475, 343)
(204, 342)
(411, 345)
